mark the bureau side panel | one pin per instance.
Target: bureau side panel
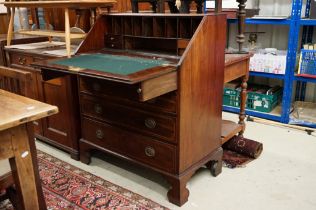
(200, 88)
(95, 37)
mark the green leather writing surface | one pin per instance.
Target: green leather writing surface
(115, 64)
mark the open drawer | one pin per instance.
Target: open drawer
(144, 77)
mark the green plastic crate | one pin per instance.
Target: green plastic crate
(255, 101)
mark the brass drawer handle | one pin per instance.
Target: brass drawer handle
(99, 134)
(150, 123)
(96, 86)
(98, 108)
(150, 152)
(22, 60)
(112, 38)
(112, 45)
(139, 90)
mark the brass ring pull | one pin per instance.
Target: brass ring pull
(98, 108)
(99, 134)
(96, 87)
(139, 90)
(112, 45)
(150, 123)
(150, 152)
(22, 60)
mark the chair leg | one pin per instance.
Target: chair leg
(172, 7)
(134, 6)
(185, 6)
(199, 6)
(154, 6)
(14, 199)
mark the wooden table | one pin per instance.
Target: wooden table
(236, 66)
(66, 5)
(17, 144)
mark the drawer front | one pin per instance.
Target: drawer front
(127, 94)
(143, 149)
(114, 45)
(149, 123)
(113, 41)
(108, 88)
(21, 59)
(113, 38)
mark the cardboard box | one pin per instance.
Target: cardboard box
(268, 63)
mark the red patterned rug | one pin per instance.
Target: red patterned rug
(68, 187)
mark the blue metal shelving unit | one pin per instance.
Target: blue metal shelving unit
(294, 23)
(267, 75)
(264, 21)
(305, 79)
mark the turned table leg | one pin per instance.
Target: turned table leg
(67, 32)
(243, 100)
(11, 26)
(241, 15)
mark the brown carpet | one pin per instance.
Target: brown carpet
(239, 151)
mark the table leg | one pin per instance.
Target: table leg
(25, 170)
(92, 17)
(67, 32)
(46, 19)
(161, 6)
(243, 99)
(241, 15)
(218, 6)
(134, 4)
(11, 26)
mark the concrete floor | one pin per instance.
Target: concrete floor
(284, 176)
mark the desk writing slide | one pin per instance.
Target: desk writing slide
(123, 65)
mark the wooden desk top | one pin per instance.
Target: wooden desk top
(235, 58)
(61, 4)
(140, 67)
(16, 110)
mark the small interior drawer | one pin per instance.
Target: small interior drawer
(113, 38)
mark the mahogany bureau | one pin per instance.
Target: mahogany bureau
(150, 92)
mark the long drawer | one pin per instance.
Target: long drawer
(166, 103)
(144, 149)
(140, 91)
(22, 60)
(149, 123)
